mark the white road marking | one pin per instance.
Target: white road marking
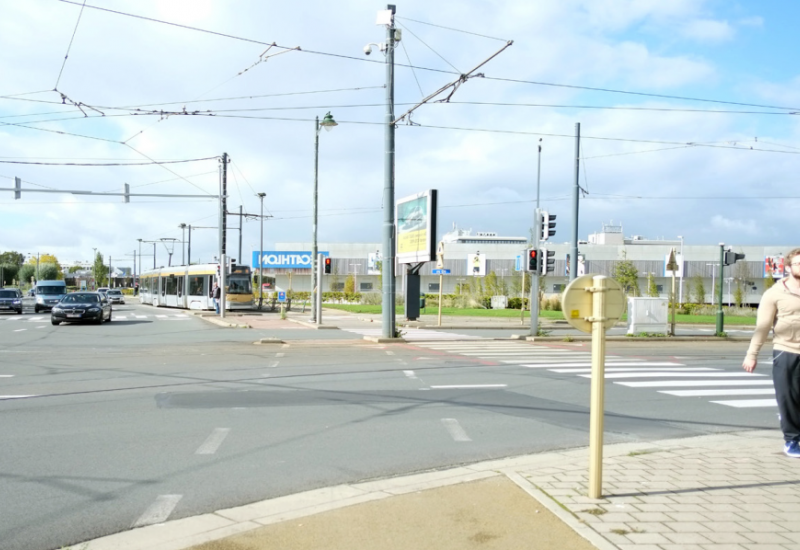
(40, 326)
(35, 319)
(279, 354)
(469, 386)
(213, 441)
(612, 364)
(636, 369)
(159, 511)
(749, 403)
(676, 374)
(410, 374)
(20, 330)
(389, 353)
(15, 396)
(273, 364)
(695, 383)
(730, 391)
(140, 316)
(6, 376)
(121, 317)
(455, 430)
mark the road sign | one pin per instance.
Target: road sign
(672, 264)
(440, 271)
(577, 303)
(281, 295)
(518, 263)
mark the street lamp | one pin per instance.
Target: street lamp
(261, 252)
(713, 270)
(682, 267)
(183, 242)
(327, 122)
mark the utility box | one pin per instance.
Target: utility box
(648, 315)
(499, 302)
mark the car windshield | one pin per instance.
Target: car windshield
(115, 292)
(8, 294)
(80, 299)
(50, 290)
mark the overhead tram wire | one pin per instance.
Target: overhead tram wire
(151, 163)
(499, 79)
(430, 48)
(451, 28)
(69, 47)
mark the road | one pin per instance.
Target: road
(161, 415)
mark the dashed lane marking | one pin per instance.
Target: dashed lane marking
(159, 511)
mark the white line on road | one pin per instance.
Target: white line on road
(279, 354)
(615, 364)
(273, 364)
(6, 376)
(20, 330)
(636, 369)
(15, 396)
(410, 374)
(469, 386)
(455, 430)
(389, 353)
(213, 441)
(161, 316)
(730, 391)
(749, 403)
(159, 511)
(695, 383)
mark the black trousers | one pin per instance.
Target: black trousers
(786, 378)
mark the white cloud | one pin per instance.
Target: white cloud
(708, 30)
(747, 226)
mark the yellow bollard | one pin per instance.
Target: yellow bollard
(598, 320)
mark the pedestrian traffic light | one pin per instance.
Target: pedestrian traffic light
(327, 266)
(547, 261)
(533, 260)
(548, 225)
(732, 257)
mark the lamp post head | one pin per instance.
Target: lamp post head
(328, 122)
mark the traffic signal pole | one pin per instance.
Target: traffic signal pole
(720, 313)
(537, 232)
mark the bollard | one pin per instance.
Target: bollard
(283, 311)
(598, 320)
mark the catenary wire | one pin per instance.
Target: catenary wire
(450, 28)
(430, 48)
(69, 47)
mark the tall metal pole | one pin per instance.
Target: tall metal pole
(315, 295)
(134, 269)
(320, 275)
(154, 255)
(537, 233)
(240, 235)
(388, 317)
(720, 313)
(223, 278)
(183, 243)
(682, 266)
(260, 256)
(223, 210)
(573, 258)
(189, 248)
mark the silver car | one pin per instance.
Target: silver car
(115, 296)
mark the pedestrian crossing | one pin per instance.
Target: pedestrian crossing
(736, 389)
(414, 334)
(114, 317)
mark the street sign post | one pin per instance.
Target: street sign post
(672, 266)
(281, 296)
(594, 303)
(440, 271)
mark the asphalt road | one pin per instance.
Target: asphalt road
(160, 415)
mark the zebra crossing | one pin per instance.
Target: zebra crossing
(736, 389)
(114, 317)
(414, 334)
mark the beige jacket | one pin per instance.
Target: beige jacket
(780, 311)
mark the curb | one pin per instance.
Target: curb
(308, 324)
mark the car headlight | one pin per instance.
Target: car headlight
(40, 299)
(17, 301)
(57, 309)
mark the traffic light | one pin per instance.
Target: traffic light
(547, 261)
(548, 225)
(732, 257)
(327, 266)
(533, 260)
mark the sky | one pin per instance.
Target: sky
(688, 112)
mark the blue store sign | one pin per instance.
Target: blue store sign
(283, 259)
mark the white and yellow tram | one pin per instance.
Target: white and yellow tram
(190, 287)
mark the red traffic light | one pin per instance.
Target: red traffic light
(327, 265)
(533, 254)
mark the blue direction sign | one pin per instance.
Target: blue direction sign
(518, 264)
(281, 296)
(440, 271)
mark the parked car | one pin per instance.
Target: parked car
(81, 306)
(115, 296)
(10, 300)
(102, 290)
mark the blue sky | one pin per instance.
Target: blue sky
(479, 154)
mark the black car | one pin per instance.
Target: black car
(10, 300)
(81, 306)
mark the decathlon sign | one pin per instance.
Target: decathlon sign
(283, 259)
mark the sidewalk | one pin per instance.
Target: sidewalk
(722, 492)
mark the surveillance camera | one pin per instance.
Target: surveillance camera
(367, 49)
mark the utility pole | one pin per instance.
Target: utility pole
(183, 243)
(260, 254)
(189, 248)
(573, 258)
(388, 317)
(720, 313)
(223, 209)
(240, 235)
(537, 233)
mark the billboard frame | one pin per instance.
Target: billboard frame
(415, 227)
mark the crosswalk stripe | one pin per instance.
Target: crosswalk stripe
(748, 403)
(679, 374)
(612, 364)
(709, 393)
(695, 383)
(634, 369)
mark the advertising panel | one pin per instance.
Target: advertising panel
(283, 259)
(374, 263)
(476, 265)
(415, 219)
(774, 266)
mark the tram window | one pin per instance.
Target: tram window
(163, 286)
(171, 284)
(196, 285)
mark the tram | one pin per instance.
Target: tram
(190, 287)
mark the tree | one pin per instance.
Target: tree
(49, 272)
(699, 289)
(75, 269)
(12, 258)
(492, 284)
(768, 283)
(26, 273)
(626, 274)
(334, 284)
(100, 271)
(379, 269)
(47, 259)
(350, 284)
(738, 293)
(652, 288)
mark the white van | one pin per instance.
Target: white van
(48, 294)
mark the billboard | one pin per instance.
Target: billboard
(374, 263)
(283, 259)
(774, 266)
(415, 219)
(476, 265)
